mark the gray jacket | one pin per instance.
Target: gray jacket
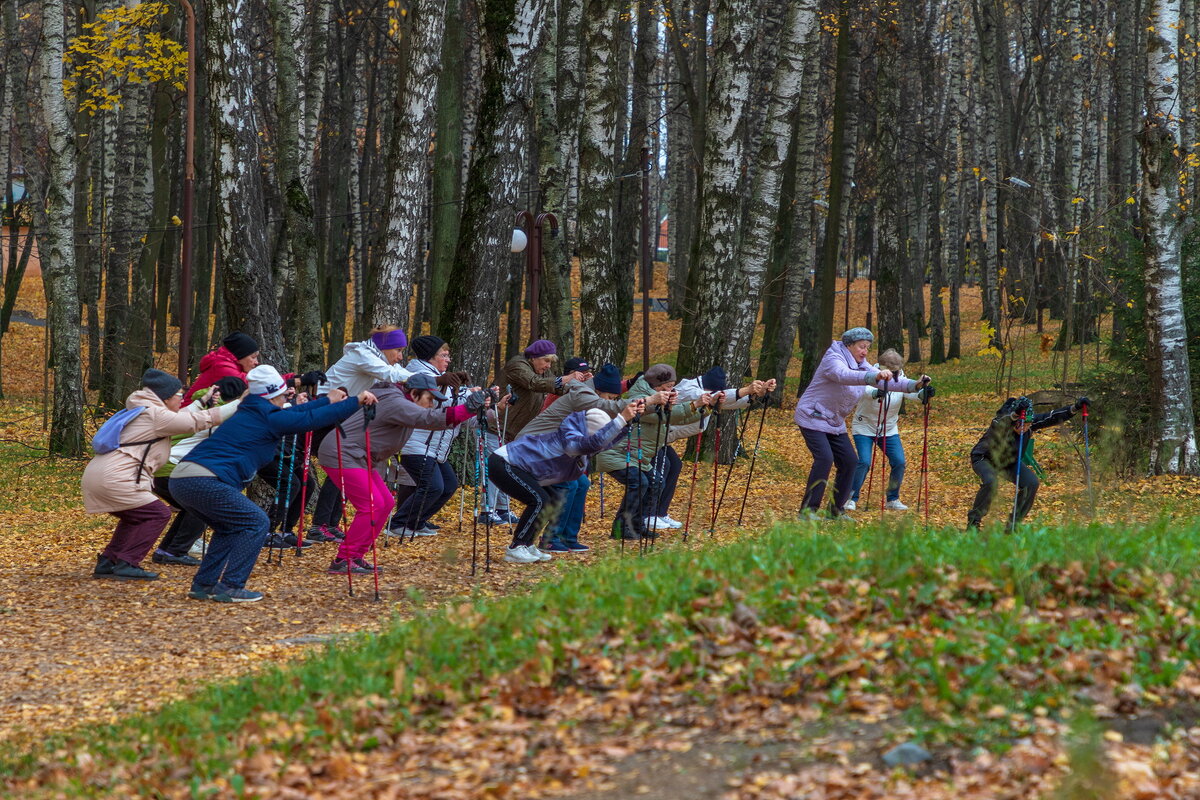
(580, 396)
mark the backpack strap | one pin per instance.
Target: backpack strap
(148, 443)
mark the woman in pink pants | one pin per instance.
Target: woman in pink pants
(398, 412)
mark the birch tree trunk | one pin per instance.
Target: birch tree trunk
(57, 245)
(1174, 443)
(606, 295)
(245, 261)
(404, 250)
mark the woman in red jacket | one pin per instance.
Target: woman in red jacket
(237, 355)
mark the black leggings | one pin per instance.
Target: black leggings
(988, 483)
(185, 529)
(668, 464)
(328, 512)
(541, 502)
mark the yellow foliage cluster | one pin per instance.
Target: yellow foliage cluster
(122, 46)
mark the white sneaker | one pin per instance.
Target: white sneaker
(850, 506)
(538, 555)
(895, 505)
(426, 531)
(669, 522)
(519, 555)
(403, 533)
(198, 549)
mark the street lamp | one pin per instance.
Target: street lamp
(531, 227)
(189, 184)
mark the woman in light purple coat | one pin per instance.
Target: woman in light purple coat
(842, 376)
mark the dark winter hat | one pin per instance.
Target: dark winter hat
(426, 347)
(240, 344)
(163, 384)
(713, 380)
(424, 381)
(857, 335)
(231, 387)
(659, 374)
(608, 379)
(575, 364)
(542, 347)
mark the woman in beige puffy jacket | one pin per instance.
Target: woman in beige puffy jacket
(120, 482)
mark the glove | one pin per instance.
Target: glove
(875, 393)
(925, 394)
(449, 380)
(475, 401)
(1080, 403)
(368, 413)
(464, 378)
(313, 378)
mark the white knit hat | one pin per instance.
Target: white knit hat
(596, 419)
(265, 381)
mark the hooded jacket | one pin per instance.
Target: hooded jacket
(999, 441)
(249, 440)
(561, 456)
(361, 366)
(395, 418)
(835, 390)
(111, 481)
(214, 365)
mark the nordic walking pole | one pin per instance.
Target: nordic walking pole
(658, 470)
(695, 469)
(1017, 467)
(753, 458)
(923, 487)
(304, 491)
(337, 435)
(651, 496)
(617, 519)
(874, 445)
(712, 520)
(741, 437)
(368, 415)
(478, 481)
(1087, 456)
(276, 522)
(487, 533)
(287, 495)
(881, 445)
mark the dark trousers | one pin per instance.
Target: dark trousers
(137, 530)
(541, 502)
(286, 506)
(239, 530)
(639, 499)
(829, 449)
(669, 465)
(436, 484)
(989, 480)
(329, 502)
(184, 530)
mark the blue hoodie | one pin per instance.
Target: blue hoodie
(247, 441)
(561, 456)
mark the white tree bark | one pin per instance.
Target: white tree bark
(404, 248)
(1174, 444)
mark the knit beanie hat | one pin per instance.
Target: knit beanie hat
(713, 380)
(542, 347)
(426, 347)
(857, 335)
(163, 384)
(596, 419)
(265, 381)
(240, 344)
(608, 379)
(390, 340)
(230, 387)
(659, 374)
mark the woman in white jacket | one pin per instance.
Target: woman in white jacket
(868, 432)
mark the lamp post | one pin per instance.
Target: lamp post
(531, 229)
(189, 186)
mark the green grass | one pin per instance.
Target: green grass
(949, 625)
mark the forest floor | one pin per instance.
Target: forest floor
(77, 652)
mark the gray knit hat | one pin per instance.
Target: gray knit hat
(857, 335)
(163, 384)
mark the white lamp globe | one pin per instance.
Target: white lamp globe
(519, 240)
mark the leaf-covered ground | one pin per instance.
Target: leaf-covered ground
(74, 651)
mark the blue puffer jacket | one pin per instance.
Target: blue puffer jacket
(248, 440)
(561, 456)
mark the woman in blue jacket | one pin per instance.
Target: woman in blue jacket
(529, 467)
(208, 482)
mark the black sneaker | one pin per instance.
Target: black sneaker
(163, 557)
(123, 571)
(338, 567)
(283, 541)
(319, 534)
(104, 567)
(227, 594)
(367, 565)
(433, 527)
(201, 592)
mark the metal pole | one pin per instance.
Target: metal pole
(646, 267)
(525, 222)
(189, 185)
(535, 278)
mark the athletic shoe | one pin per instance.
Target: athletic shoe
(426, 531)
(507, 517)
(319, 534)
(400, 531)
(541, 555)
(432, 526)
(811, 515)
(894, 505)
(489, 518)
(163, 557)
(668, 522)
(277, 541)
(104, 567)
(519, 555)
(338, 567)
(555, 548)
(227, 594)
(576, 547)
(851, 506)
(197, 549)
(123, 571)
(843, 517)
(201, 592)
(367, 565)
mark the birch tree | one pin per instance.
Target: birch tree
(1173, 447)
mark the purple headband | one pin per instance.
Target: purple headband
(390, 340)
